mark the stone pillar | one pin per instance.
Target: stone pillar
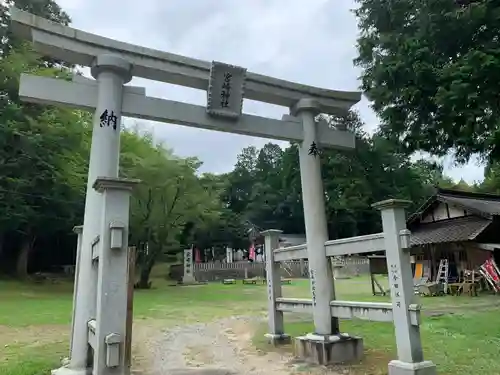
(229, 255)
(78, 230)
(111, 73)
(188, 277)
(409, 346)
(276, 333)
(326, 345)
(320, 270)
(112, 286)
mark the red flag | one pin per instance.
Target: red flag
(251, 252)
(197, 256)
(490, 268)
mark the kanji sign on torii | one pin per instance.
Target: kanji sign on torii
(112, 65)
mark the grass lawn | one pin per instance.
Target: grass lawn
(35, 318)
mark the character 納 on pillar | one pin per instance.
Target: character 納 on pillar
(111, 73)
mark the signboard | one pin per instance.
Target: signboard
(188, 263)
(225, 90)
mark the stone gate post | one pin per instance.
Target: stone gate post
(276, 333)
(110, 325)
(320, 269)
(78, 230)
(111, 73)
(409, 346)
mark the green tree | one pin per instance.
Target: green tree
(428, 68)
(377, 169)
(41, 157)
(169, 197)
(241, 180)
(491, 182)
(227, 229)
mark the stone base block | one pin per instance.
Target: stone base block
(190, 281)
(186, 280)
(69, 371)
(340, 274)
(329, 350)
(277, 339)
(405, 368)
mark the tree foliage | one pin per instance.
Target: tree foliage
(170, 197)
(265, 184)
(428, 68)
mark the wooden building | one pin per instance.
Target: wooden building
(462, 227)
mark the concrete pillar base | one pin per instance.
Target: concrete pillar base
(339, 273)
(404, 368)
(328, 350)
(187, 280)
(69, 371)
(276, 339)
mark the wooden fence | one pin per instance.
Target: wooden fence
(295, 269)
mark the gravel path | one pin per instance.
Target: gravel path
(223, 347)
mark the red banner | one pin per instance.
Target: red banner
(251, 252)
(490, 268)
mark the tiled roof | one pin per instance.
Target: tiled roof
(483, 205)
(454, 230)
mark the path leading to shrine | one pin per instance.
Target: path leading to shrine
(222, 347)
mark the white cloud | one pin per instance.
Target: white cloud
(309, 42)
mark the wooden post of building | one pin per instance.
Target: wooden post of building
(130, 309)
(303, 268)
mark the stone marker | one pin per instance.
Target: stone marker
(188, 277)
(229, 255)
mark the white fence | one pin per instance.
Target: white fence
(293, 268)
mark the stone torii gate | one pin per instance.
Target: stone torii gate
(97, 340)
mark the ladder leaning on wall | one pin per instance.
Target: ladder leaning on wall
(287, 268)
(443, 273)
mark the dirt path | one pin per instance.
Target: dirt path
(223, 347)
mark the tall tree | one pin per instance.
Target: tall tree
(377, 169)
(169, 197)
(241, 180)
(428, 68)
(40, 143)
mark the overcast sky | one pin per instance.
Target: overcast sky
(311, 44)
